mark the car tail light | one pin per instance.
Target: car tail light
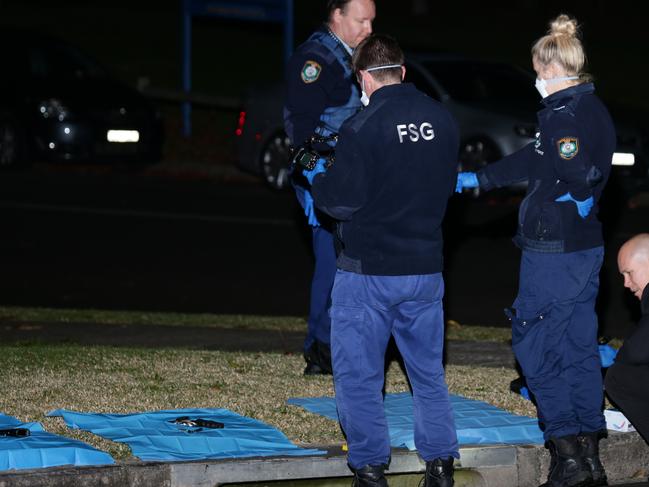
(240, 123)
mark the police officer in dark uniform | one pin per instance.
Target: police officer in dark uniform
(627, 380)
(321, 94)
(554, 324)
(388, 188)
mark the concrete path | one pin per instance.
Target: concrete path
(625, 456)
(458, 352)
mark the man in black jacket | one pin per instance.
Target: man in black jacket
(627, 380)
(388, 189)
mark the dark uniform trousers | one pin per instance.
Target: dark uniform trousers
(366, 310)
(628, 388)
(554, 337)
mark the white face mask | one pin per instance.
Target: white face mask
(365, 100)
(541, 84)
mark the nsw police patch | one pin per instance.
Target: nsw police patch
(568, 147)
(311, 71)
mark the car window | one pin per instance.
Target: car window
(471, 82)
(62, 62)
(416, 77)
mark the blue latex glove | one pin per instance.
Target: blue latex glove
(583, 207)
(310, 173)
(309, 209)
(607, 355)
(466, 180)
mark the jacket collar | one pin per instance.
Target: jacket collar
(569, 96)
(644, 300)
(388, 91)
(326, 29)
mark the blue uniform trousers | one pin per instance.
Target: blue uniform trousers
(319, 326)
(365, 311)
(554, 337)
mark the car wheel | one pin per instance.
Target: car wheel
(9, 146)
(475, 154)
(274, 161)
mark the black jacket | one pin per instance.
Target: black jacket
(394, 171)
(572, 153)
(635, 350)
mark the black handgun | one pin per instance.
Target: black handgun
(197, 422)
(314, 148)
(15, 432)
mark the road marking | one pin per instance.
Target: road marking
(161, 215)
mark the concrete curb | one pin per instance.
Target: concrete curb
(625, 456)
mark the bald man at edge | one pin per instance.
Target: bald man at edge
(627, 381)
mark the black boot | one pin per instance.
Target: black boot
(590, 451)
(318, 359)
(439, 473)
(370, 476)
(567, 467)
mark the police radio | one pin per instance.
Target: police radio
(315, 147)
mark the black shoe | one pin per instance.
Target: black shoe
(567, 467)
(370, 476)
(439, 473)
(314, 369)
(318, 359)
(589, 443)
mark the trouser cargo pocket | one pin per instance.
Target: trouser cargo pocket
(528, 337)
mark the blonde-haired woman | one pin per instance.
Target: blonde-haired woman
(554, 324)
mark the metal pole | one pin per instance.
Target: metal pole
(187, 66)
(288, 31)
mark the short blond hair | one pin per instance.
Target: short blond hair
(562, 45)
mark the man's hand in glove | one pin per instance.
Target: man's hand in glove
(310, 173)
(309, 209)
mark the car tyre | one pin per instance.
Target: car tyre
(274, 161)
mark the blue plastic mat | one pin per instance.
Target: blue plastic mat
(154, 436)
(42, 449)
(477, 422)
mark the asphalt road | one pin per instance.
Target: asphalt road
(115, 239)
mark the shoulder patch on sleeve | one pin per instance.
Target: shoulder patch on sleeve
(310, 71)
(568, 147)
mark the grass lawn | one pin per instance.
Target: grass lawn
(39, 378)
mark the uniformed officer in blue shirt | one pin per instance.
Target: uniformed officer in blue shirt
(554, 323)
(321, 94)
(388, 188)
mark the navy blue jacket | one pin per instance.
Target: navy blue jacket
(572, 153)
(321, 90)
(635, 350)
(395, 169)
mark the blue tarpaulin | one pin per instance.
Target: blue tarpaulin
(155, 436)
(42, 449)
(476, 422)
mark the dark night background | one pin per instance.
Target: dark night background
(140, 42)
(142, 38)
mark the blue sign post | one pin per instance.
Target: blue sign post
(277, 11)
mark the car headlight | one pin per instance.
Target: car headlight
(54, 109)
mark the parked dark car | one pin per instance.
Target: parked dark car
(58, 104)
(495, 104)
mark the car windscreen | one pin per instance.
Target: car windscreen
(475, 82)
(58, 61)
